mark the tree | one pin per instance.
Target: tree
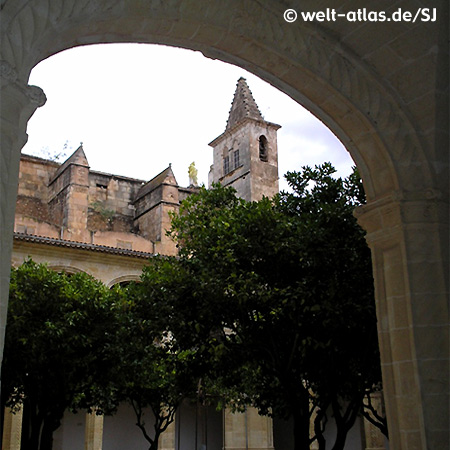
(153, 374)
(56, 345)
(339, 265)
(283, 298)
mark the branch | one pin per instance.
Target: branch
(375, 419)
(141, 425)
(372, 409)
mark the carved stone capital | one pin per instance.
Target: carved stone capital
(8, 76)
(385, 218)
(36, 95)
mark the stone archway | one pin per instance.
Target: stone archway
(383, 91)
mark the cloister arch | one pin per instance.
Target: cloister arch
(124, 279)
(383, 91)
(66, 268)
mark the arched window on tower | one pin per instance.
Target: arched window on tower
(263, 148)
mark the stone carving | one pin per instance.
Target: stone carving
(36, 95)
(7, 73)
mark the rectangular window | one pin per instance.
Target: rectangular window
(236, 159)
(226, 165)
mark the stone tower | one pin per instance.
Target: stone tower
(246, 153)
(68, 196)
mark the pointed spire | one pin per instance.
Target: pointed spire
(165, 177)
(78, 157)
(243, 105)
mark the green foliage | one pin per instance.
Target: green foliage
(106, 213)
(278, 297)
(154, 375)
(57, 338)
(71, 343)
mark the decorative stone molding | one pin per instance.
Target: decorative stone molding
(8, 76)
(7, 73)
(382, 217)
(36, 95)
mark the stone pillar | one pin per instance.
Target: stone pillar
(315, 444)
(248, 430)
(18, 103)
(94, 432)
(167, 439)
(408, 235)
(373, 436)
(12, 430)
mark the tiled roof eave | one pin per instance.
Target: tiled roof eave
(80, 245)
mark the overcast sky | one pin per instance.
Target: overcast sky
(139, 107)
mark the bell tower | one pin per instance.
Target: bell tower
(246, 153)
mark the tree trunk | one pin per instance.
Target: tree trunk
(37, 430)
(341, 437)
(32, 423)
(51, 423)
(155, 444)
(301, 418)
(344, 422)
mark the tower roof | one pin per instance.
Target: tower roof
(78, 157)
(165, 177)
(243, 106)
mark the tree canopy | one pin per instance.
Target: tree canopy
(73, 344)
(153, 374)
(281, 295)
(56, 344)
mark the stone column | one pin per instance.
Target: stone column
(408, 235)
(93, 432)
(248, 430)
(167, 439)
(18, 103)
(12, 430)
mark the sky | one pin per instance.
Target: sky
(138, 108)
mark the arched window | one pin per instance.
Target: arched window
(263, 148)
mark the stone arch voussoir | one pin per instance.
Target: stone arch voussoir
(123, 279)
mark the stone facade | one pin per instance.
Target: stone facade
(382, 88)
(72, 203)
